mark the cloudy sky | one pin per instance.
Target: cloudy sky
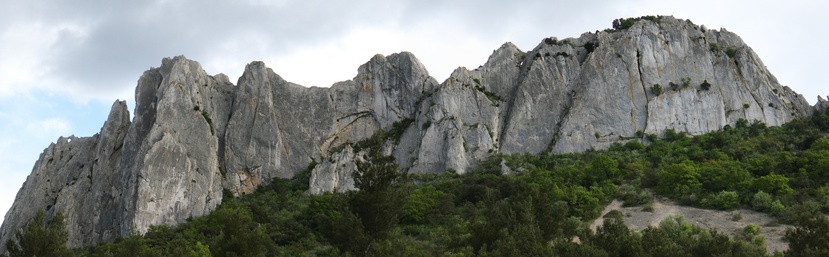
(63, 63)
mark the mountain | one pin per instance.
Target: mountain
(195, 137)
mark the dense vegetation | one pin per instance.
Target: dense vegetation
(541, 209)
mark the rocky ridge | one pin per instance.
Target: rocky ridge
(195, 137)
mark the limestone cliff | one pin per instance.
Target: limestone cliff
(194, 136)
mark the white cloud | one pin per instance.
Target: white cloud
(25, 53)
(49, 127)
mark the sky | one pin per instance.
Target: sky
(63, 63)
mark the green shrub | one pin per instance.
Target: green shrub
(634, 145)
(614, 214)
(705, 85)
(742, 123)
(776, 208)
(422, 203)
(674, 86)
(209, 121)
(623, 24)
(726, 200)
(714, 47)
(751, 231)
(686, 81)
(775, 184)
(761, 201)
(591, 46)
(633, 196)
(736, 216)
(809, 238)
(656, 89)
(648, 207)
(40, 238)
(681, 179)
(731, 52)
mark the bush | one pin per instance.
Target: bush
(656, 89)
(422, 203)
(633, 196)
(705, 85)
(736, 216)
(761, 201)
(731, 52)
(671, 135)
(775, 184)
(614, 214)
(681, 179)
(623, 24)
(590, 46)
(714, 47)
(674, 86)
(776, 208)
(686, 81)
(809, 238)
(209, 121)
(726, 200)
(634, 145)
(40, 238)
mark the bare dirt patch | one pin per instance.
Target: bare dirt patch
(722, 221)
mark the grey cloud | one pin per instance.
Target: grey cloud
(127, 37)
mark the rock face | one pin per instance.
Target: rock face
(822, 104)
(194, 137)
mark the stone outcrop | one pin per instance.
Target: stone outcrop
(822, 104)
(75, 176)
(194, 137)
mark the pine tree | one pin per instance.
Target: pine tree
(41, 238)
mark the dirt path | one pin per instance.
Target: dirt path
(722, 221)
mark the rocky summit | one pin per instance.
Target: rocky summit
(195, 137)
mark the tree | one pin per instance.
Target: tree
(602, 168)
(41, 238)
(773, 183)
(809, 238)
(379, 202)
(726, 200)
(374, 210)
(240, 235)
(681, 179)
(719, 175)
(616, 239)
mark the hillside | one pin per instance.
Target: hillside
(195, 140)
(541, 205)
